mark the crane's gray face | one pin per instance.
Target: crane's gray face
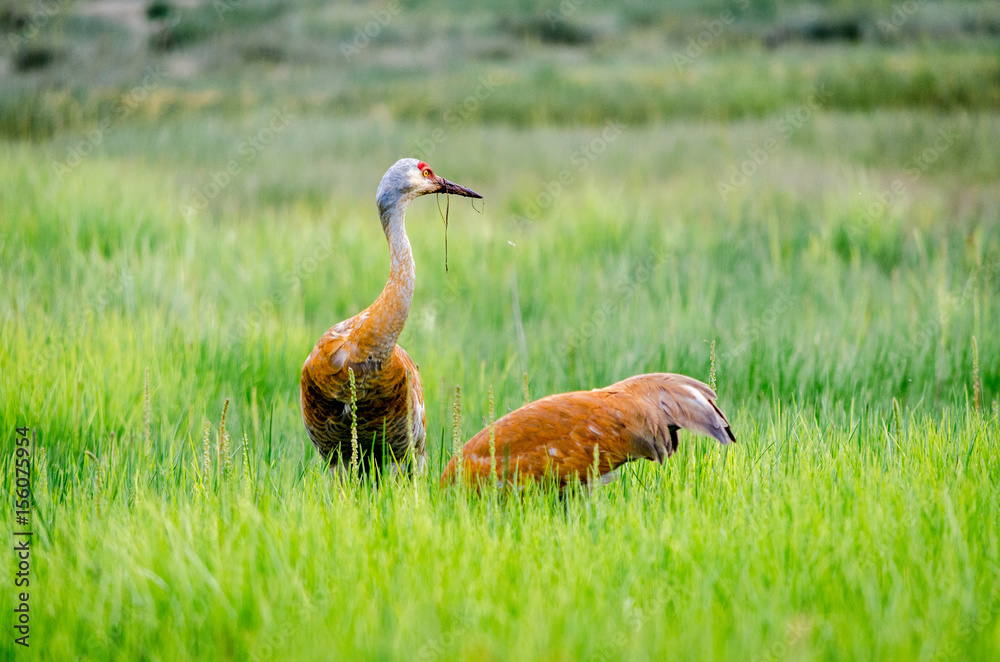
(409, 178)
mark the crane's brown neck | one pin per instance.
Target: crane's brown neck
(385, 319)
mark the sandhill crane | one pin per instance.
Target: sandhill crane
(389, 401)
(558, 436)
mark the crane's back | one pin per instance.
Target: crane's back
(570, 435)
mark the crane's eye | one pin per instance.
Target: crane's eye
(427, 172)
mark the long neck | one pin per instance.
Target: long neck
(387, 315)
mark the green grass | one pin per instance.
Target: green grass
(799, 543)
(843, 282)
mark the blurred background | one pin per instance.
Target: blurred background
(573, 62)
(811, 184)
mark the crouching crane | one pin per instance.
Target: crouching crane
(564, 437)
(388, 399)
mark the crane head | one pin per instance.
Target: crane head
(409, 178)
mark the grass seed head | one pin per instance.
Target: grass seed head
(226, 460)
(355, 448)
(206, 453)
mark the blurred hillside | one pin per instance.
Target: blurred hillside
(66, 64)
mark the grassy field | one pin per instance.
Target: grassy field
(187, 204)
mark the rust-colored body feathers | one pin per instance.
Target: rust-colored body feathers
(557, 436)
(388, 397)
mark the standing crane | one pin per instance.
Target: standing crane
(565, 437)
(357, 376)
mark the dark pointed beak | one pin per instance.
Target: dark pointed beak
(455, 189)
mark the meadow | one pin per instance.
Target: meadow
(813, 225)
